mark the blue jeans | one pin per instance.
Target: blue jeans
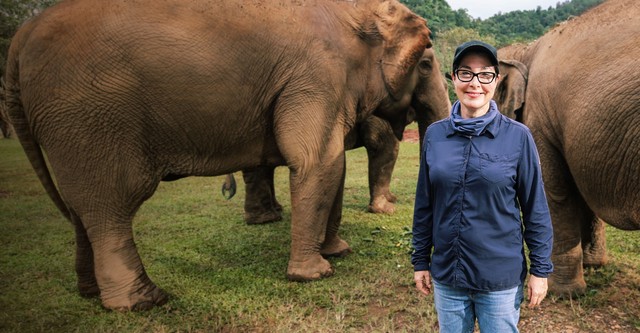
(458, 309)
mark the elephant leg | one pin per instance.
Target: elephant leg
(85, 269)
(382, 151)
(274, 202)
(333, 245)
(314, 191)
(260, 204)
(103, 204)
(314, 150)
(569, 213)
(123, 281)
(594, 247)
(309, 216)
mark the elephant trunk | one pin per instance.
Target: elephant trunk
(427, 116)
(422, 128)
(432, 104)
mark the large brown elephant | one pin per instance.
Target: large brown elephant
(578, 89)
(380, 138)
(123, 94)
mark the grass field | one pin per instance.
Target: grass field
(226, 276)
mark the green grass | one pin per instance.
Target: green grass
(224, 275)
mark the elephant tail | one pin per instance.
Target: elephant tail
(22, 129)
(229, 186)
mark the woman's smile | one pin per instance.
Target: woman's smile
(474, 94)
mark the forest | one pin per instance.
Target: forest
(503, 28)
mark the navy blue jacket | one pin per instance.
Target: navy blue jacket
(467, 226)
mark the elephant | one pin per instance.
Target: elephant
(577, 88)
(380, 138)
(121, 95)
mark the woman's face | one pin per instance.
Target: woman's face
(474, 96)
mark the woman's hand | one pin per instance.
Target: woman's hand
(537, 290)
(423, 281)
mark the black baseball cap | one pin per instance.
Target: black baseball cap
(475, 45)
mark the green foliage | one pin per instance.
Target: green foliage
(503, 28)
(524, 26)
(439, 15)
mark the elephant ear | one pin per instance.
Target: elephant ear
(405, 36)
(510, 93)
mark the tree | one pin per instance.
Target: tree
(439, 14)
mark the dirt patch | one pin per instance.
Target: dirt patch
(612, 306)
(411, 135)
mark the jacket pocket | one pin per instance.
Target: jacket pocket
(498, 168)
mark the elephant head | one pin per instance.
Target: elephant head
(430, 100)
(423, 97)
(405, 37)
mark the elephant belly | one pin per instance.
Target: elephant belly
(217, 159)
(608, 178)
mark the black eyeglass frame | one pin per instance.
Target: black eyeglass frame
(494, 75)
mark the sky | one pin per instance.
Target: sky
(486, 8)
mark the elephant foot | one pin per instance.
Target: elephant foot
(567, 278)
(139, 301)
(381, 205)
(335, 248)
(308, 270)
(594, 259)
(87, 285)
(391, 197)
(88, 291)
(263, 217)
(575, 288)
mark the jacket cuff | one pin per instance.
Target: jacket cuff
(421, 267)
(539, 274)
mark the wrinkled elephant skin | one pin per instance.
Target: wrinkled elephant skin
(123, 94)
(380, 137)
(577, 88)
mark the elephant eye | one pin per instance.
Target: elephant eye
(425, 65)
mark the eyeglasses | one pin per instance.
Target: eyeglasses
(483, 77)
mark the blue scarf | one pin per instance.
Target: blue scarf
(472, 126)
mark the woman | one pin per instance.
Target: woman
(479, 170)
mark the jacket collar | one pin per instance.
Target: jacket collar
(492, 129)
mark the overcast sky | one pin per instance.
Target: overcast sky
(486, 8)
